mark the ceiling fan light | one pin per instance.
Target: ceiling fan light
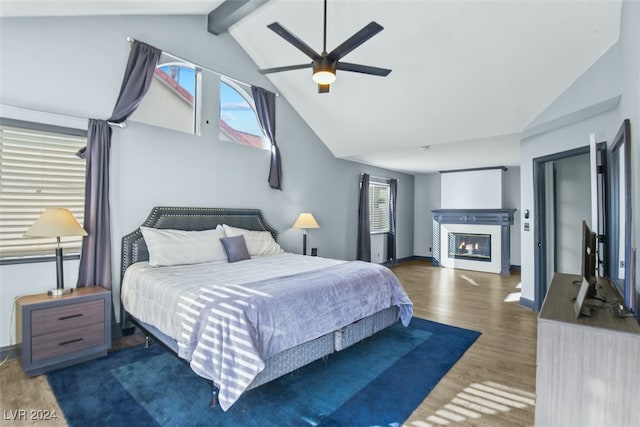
(324, 77)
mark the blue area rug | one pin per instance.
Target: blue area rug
(379, 381)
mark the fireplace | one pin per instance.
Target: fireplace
(472, 239)
(472, 246)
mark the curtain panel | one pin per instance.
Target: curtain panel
(393, 204)
(364, 228)
(266, 108)
(95, 260)
(138, 76)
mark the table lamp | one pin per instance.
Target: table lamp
(56, 222)
(305, 221)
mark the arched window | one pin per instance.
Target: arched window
(238, 119)
(172, 99)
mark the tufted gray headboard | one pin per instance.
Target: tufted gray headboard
(134, 248)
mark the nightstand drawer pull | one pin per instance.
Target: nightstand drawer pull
(70, 317)
(70, 341)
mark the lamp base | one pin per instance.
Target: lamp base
(59, 292)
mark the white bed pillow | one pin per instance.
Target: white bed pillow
(258, 242)
(176, 247)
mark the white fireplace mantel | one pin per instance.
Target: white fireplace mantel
(494, 221)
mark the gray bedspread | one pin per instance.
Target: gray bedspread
(230, 330)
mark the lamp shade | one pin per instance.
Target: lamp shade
(306, 220)
(323, 77)
(55, 222)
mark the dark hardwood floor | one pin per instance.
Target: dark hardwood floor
(493, 384)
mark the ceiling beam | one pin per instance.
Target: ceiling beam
(230, 12)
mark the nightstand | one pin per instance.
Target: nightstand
(61, 331)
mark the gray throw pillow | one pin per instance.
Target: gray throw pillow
(236, 248)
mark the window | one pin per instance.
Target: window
(172, 99)
(38, 169)
(238, 118)
(379, 207)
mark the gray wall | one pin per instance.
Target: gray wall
(573, 204)
(578, 112)
(426, 199)
(74, 66)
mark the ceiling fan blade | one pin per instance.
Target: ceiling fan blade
(369, 30)
(288, 36)
(285, 68)
(364, 69)
(323, 88)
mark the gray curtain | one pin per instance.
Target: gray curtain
(364, 228)
(138, 76)
(95, 261)
(266, 108)
(393, 204)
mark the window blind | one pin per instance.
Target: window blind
(38, 169)
(379, 207)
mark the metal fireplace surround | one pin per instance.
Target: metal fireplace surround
(501, 217)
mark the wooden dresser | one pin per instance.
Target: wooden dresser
(61, 331)
(589, 367)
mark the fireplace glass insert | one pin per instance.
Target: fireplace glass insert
(476, 247)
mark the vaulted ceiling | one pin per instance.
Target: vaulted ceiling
(468, 76)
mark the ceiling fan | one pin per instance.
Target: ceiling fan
(324, 65)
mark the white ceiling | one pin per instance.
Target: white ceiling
(106, 7)
(468, 76)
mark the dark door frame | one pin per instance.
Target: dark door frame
(540, 219)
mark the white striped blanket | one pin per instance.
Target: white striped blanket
(228, 331)
(151, 294)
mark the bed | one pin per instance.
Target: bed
(242, 324)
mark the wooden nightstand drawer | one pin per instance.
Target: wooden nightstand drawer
(66, 317)
(66, 341)
(63, 330)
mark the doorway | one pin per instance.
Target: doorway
(562, 199)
